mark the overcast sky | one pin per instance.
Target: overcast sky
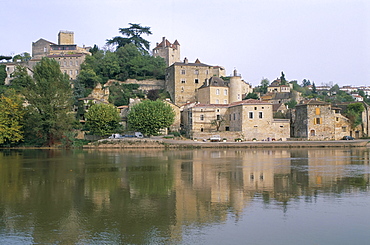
(320, 40)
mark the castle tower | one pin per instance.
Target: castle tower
(65, 38)
(235, 87)
(169, 51)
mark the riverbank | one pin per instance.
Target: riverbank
(158, 142)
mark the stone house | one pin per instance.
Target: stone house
(317, 120)
(248, 119)
(66, 52)
(254, 118)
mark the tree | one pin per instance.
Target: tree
(251, 96)
(49, 96)
(263, 87)
(306, 83)
(2, 74)
(218, 122)
(291, 103)
(354, 113)
(283, 81)
(149, 116)
(22, 57)
(102, 119)
(11, 117)
(21, 79)
(133, 35)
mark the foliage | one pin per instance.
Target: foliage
(354, 113)
(2, 74)
(283, 81)
(263, 87)
(121, 94)
(251, 96)
(50, 98)
(157, 94)
(291, 103)
(126, 62)
(133, 35)
(22, 57)
(306, 83)
(102, 119)
(149, 116)
(21, 79)
(11, 117)
(218, 123)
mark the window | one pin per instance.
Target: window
(225, 101)
(218, 117)
(260, 114)
(76, 72)
(227, 128)
(196, 80)
(182, 89)
(217, 91)
(76, 62)
(225, 92)
(312, 133)
(317, 111)
(317, 120)
(218, 110)
(344, 129)
(196, 72)
(217, 102)
(70, 72)
(255, 108)
(337, 119)
(183, 80)
(250, 115)
(182, 72)
(201, 117)
(71, 63)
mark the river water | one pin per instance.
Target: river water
(202, 196)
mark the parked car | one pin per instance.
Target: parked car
(348, 138)
(215, 138)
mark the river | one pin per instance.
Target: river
(201, 196)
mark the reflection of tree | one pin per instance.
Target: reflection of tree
(131, 197)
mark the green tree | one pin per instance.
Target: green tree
(306, 83)
(22, 57)
(283, 81)
(102, 119)
(263, 87)
(291, 103)
(49, 96)
(149, 116)
(21, 79)
(133, 35)
(11, 117)
(354, 113)
(251, 96)
(2, 74)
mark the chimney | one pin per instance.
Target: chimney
(186, 60)
(164, 41)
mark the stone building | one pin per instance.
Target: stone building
(255, 120)
(66, 52)
(248, 119)
(168, 51)
(217, 91)
(184, 78)
(317, 120)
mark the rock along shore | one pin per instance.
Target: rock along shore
(158, 142)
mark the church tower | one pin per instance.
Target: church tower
(169, 51)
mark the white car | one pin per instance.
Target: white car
(215, 138)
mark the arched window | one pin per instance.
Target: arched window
(312, 133)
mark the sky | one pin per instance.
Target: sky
(325, 41)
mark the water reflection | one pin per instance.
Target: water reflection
(154, 196)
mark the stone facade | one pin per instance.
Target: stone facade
(168, 51)
(184, 78)
(250, 119)
(317, 120)
(255, 119)
(69, 55)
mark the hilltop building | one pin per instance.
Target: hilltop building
(168, 51)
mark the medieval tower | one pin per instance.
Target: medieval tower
(169, 51)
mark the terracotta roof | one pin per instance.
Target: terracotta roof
(313, 102)
(250, 102)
